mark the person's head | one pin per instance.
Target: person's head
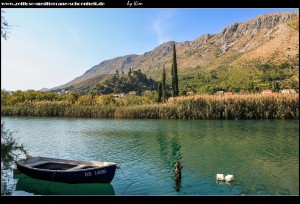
(177, 163)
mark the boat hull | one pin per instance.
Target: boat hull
(103, 174)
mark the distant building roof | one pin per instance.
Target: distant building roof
(267, 91)
(288, 91)
(219, 93)
(119, 94)
(132, 92)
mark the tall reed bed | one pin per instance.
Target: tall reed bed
(252, 106)
(41, 109)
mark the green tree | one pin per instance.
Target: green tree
(10, 149)
(71, 97)
(30, 95)
(107, 99)
(164, 86)
(4, 97)
(174, 73)
(159, 91)
(139, 91)
(4, 26)
(129, 72)
(86, 100)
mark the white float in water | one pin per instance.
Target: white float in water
(220, 177)
(229, 178)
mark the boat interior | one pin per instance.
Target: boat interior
(56, 165)
(60, 166)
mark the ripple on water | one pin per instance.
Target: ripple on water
(258, 153)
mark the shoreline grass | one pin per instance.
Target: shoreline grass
(197, 107)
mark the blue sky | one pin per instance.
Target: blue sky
(48, 47)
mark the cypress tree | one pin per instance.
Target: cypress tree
(129, 72)
(174, 73)
(139, 90)
(164, 87)
(159, 91)
(172, 77)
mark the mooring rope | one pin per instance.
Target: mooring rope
(125, 175)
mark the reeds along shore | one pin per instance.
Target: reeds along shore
(252, 106)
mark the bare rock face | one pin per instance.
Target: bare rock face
(269, 38)
(254, 26)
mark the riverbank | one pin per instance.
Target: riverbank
(251, 106)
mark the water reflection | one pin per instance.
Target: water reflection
(263, 155)
(40, 187)
(177, 185)
(169, 143)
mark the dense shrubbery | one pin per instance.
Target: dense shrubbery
(10, 150)
(124, 83)
(250, 106)
(251, 78)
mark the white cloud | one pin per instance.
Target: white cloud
(162, 25)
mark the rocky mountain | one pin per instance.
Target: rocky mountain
(270, 38)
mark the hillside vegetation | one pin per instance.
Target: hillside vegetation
(261, 53)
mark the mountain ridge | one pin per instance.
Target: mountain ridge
(269, 38)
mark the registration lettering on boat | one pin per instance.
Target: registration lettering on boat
(87, 174)
(103, 171)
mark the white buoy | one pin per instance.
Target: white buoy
(220, 177)
(229, 178)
